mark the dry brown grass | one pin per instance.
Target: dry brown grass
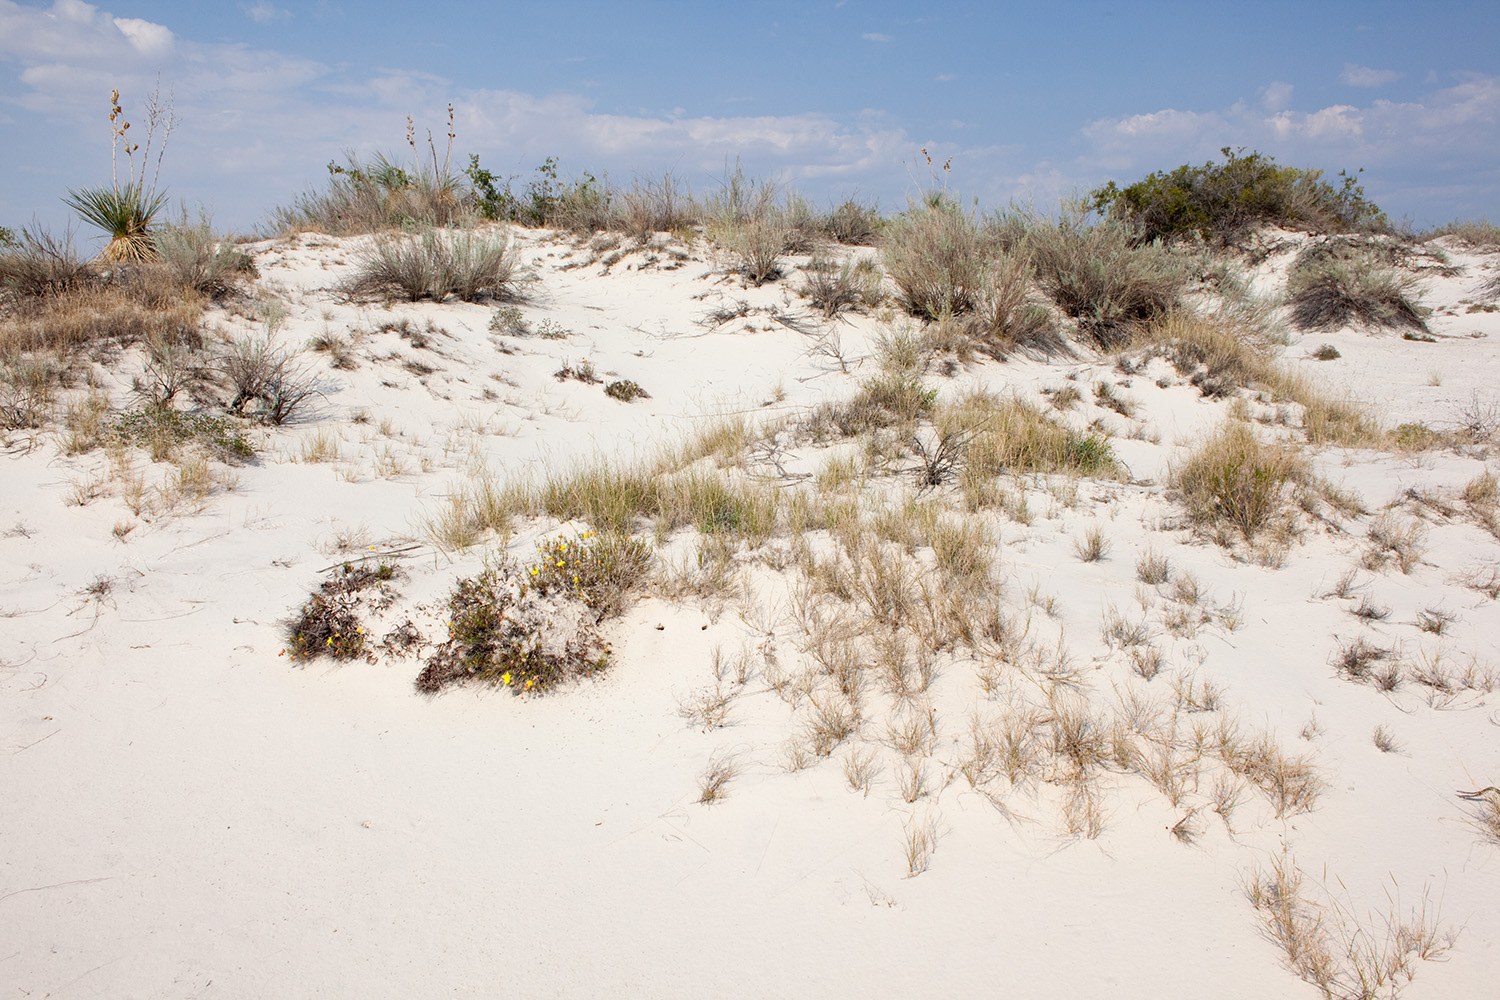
(1328, 945)
(1235, 478)
(144, 304)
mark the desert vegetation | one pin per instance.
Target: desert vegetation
(1007, 514)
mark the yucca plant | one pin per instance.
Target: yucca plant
(125, 211)
(125, 214)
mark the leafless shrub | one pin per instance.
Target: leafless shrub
(265, 375)
(42, 264)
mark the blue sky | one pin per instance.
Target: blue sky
(1032, 101)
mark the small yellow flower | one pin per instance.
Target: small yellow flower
(505, 678)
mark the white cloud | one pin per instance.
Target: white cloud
(1276, 96)
(945, 77)
(875, 36)
(265, 12)
(1364, 76)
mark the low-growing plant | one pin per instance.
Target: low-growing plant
(500, 634)
(161, 430)
(509, 319)
(625, 390)
(329, 623)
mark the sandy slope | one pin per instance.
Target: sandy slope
(188, 816)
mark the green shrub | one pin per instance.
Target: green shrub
(162, 429)
(625, 390)
(379, 195)
(433, 264)
(1335, 283)
(200, 261)
(934, 254)
(1103, 277)
(1222, 202)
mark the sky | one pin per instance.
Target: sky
(1026, 102)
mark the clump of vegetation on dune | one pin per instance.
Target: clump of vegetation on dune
(1225, 202)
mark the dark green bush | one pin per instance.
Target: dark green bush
(1222, 202)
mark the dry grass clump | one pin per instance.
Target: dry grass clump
(833, 287)
(1221, 354)
(1479, 233)
(1336, 283)
(1217, 354)
(136, 303)
(722, 768)
(1329, 946)
(1009, 435)
(1486, 813)
(434, 264)
(1235, 478)
(39, 264)
(650, 207)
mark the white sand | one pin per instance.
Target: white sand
(186, 814)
